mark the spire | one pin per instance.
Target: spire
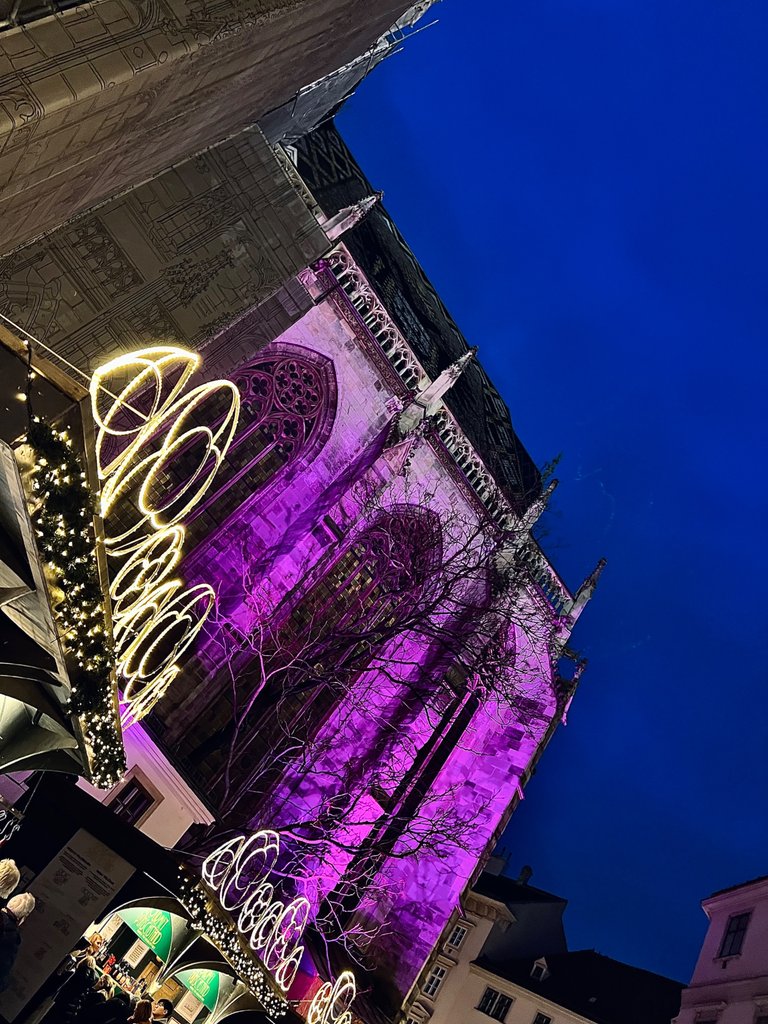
(427, 402)
(531, 516)
(345, 219)
(585, 592)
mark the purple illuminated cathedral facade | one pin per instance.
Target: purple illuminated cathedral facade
(389, 654)
(384, 667)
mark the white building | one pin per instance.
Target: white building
(504, 958)
(152, 796)
(730, 980)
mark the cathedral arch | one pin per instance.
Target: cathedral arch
(374, 576)
(288, 407)
(325, 634)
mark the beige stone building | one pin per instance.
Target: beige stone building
(730, 980)
(503, 957)
(96, 98)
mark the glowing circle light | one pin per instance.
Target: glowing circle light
(332, 1002)
(238, 872)
(152, 430)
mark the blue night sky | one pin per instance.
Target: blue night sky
(585, 183)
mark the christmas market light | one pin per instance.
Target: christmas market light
(67, 545)
(147, 420)
(332, 1001)
(237, 871)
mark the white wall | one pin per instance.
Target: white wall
(176, 806)
(460, 992)
(731, 990)
(457, 1000)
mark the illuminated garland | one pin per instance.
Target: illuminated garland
(332, 1002)
(147, 420)
(237, 871)
(63, 521)
(228, 941)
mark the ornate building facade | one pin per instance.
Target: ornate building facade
(98, 97)
(385, 667)
(385, 663)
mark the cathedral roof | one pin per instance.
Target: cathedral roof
(596, 987)
(510, 891)
(336, 180)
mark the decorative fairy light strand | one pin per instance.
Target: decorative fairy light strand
(63, 522)
(238, 872)
(156, 617)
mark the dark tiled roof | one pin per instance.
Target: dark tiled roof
(508, 890)
(741, 885)
(335, 178)
(597, 987)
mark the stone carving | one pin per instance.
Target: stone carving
(385, 332)
(376, 318)
(105, 259)
(190, 277)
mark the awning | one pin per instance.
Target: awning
(35, 731)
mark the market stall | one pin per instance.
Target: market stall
(91, 873)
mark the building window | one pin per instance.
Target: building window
(362, 591)
(539, 971)
(735, 931)
(495, 1004)
(457, 936)
(542, 1018)
(132, 802)
(287, 408)
(434, 981)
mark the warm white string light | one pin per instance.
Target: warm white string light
(238, 871)
(146, 419)
(332, 1001)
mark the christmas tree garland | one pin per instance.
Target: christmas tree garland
(63, 522)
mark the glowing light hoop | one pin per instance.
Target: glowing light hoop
(272, 928)
(150, 605)
(332, 1002)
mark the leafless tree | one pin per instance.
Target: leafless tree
(428, 629)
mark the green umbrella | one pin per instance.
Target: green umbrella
(153, 927)
(202, 983)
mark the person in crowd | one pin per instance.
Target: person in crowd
(93, 999)
(142, 1014)
(162, 1009)
(12, 916)
(9, 877)
(92, 947)
(87, 947)
(116, 1010)
(74, 994)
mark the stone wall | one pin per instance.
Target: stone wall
(175, 260)
(103, 96)
(268, 554)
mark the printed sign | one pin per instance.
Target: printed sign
(188, 1008)
(71, 891)
(136, 953)
(202, 983)
(155, 927)
(110, 927)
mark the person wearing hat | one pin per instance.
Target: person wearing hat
(9, 877)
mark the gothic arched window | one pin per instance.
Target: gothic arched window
(356, 600)
(375, 579)
(288, 404)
